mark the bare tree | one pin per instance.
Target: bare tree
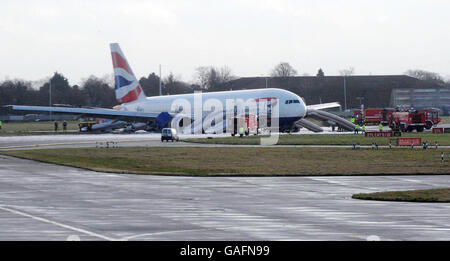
(210, 78)
(202, 76)
(283, 69)
(347, 72)
(426, 76)
(225, 74)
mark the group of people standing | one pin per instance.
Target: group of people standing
(64, 124)
(363, 126)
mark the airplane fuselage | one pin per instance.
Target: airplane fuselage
(291, 106)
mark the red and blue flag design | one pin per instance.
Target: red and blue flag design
(127, 87)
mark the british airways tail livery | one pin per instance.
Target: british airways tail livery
(127, 87)
(162, 111)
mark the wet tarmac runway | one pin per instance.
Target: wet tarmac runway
(41, 201)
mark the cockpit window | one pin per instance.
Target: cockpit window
(292, 101)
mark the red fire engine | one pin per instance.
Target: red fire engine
(414, 120)
(373, 116)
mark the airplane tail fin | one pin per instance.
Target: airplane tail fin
(127, 86)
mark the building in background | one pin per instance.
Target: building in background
(438, 98)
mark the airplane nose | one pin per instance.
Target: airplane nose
(302, 108)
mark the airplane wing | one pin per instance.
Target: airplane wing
(323, 106)
(97, 113)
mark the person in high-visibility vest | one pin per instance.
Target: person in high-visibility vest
(356, 128)
(380, 127)
(241, 132)
(1, 123)
(364, 128)
(352, 120)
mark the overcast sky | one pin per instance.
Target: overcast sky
(249, 36)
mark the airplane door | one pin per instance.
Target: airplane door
(265, 104)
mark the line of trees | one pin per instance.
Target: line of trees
(92, 92)
(99, 92)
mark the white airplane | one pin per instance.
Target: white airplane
(164, 111)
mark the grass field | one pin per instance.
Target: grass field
(429, 195)
(34, 128)
(319, 139)
(245, 161)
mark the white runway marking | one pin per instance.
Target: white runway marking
(57, 224)
(164, 233)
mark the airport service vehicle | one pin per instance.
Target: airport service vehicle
(99, 125)
(174, 111)
(373, 116)
(86, 125)
(169, 134)
(408, 121)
